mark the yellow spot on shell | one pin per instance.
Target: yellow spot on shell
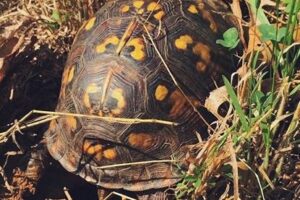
(140, 140)
(90, 23)
(110, 154)
(193, 9)
(101, 48)
(121, 103)
(68, 76)
(91, 149)
(179, 104)
(138, 4)
(208, 17)
(159, 15)
(138, 53)
(153, 6)
(86, 146)
(71, 122)
(71, 74)
(65, 76)
(127, 34)
(124, 8)
(201, 67)
(92, 88)
(183, 41)
(98, 147)
(140, 11)
(161, 92)
(203, 51)
(98, 156)
(52, 125)
(118, 94)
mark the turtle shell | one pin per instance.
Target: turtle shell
(138, 59)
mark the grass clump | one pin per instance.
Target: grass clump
(252, 147)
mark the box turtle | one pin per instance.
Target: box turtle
(139, 59)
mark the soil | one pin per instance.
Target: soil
(35, 84)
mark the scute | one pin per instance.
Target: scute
(115, 71)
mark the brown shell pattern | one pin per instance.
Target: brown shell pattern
(113, 70)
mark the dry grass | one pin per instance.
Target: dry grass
(246, 165)
(51, 22)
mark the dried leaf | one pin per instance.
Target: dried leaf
(216, 98)
(236, 10)
(8, 48)
(255, 44)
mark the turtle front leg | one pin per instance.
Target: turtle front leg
(25, 182)
(36, 165)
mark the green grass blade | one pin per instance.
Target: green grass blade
(236, 104)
